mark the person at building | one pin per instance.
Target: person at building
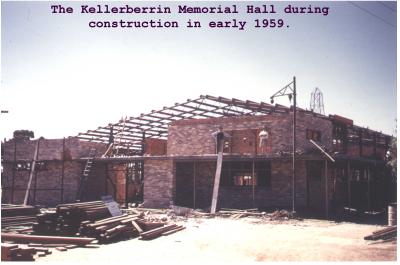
(263, 135)
(219, 138)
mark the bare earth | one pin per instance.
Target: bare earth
(244, 240)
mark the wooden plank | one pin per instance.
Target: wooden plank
(179, 228)
(326, 190)
(217, 180)
(137, 227)
(28, 188)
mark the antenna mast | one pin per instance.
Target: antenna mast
(317, 102)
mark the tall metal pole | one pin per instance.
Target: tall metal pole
(294, 146)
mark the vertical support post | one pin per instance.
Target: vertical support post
(307, 184)
(62, 170)
(345, 139)
(348, 185)
(360, 142)
(142, 166)
(106, 180)
(326, 190)
(126, 186)
(35, 183)
(194, 185)
(217, 177)
(28, 188)
(255, 142)
(13, 171)
(367, 171)
(253, 183)
(294, 146)
(143, 142)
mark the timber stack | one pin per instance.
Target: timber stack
(16, 216)
(67, 218)
(13, 252)
(93, 219)
(10, 210)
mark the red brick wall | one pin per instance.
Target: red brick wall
(48, 180)
(50, 149)
(158, 183)
(193, 137)
(155, 146)
(47, 183)
(278, 194)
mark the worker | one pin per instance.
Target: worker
(263, 135)
(219, 137)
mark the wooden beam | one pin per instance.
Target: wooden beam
(35, 156)
(217, 178)
(322, 150)
(348, 184)
(253, 184)
(194, 184)
(14, 165)
(326, 190)
(367, 171)
(62, 170)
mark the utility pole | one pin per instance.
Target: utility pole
(290, 91)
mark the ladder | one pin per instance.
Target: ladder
(85, 173)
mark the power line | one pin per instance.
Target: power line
(372, 14)
(388, 7)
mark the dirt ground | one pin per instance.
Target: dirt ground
(244, 240)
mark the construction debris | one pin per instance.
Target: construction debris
(385, 233)
(280, 215)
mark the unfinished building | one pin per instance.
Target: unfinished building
(169, 157)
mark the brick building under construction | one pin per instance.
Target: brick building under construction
(168, 157)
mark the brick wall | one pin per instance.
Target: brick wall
(193, 137)
(47, 181)
(278, 194)
(155, 146)
(50, 149)
(158, 183)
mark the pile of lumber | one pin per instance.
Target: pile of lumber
(385, 233)
(8, 210)
(67, 218)
(14, 221)
(13, 252)
(110, 229)
(93, 219)
(17, 217)
(126, 226)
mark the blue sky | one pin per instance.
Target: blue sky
(61, 77)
